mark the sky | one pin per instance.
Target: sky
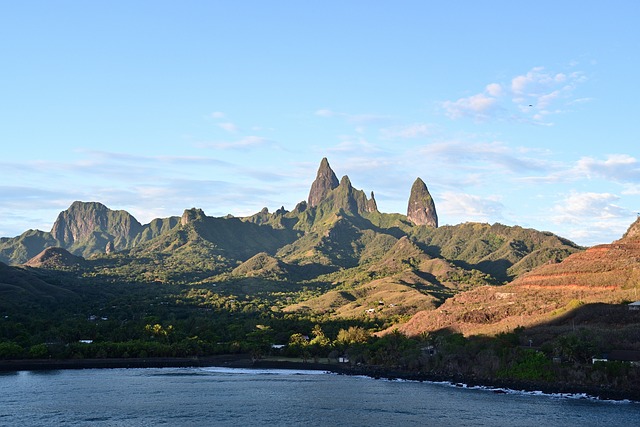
(520, 113)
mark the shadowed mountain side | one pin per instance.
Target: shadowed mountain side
(20, 249)
(601, 274)
(499, 250)
(22, 290)
(214, 244)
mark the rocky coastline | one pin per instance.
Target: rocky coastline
(245, 361)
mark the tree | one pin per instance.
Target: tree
(353, 335)
(10, 350)
(298, 344)
(320, 344)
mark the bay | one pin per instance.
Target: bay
(224, 396)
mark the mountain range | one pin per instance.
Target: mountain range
(333, 276)
(356, 258)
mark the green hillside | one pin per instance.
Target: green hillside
(333, 260)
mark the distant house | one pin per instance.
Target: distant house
(630, 356)
(634, 306)
(343, 359)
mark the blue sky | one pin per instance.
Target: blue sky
(523, 113)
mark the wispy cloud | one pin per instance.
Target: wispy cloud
(591, 218)
(228, 126)
(469, 206)
(492, 154)
(480, 107)
(616, 167)
(533, 96)
(578, 207)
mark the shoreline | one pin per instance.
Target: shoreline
(495, 385)
(225, 360)
(245, 361)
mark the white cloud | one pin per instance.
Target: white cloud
(535, 95)
(477, 107)
(218, 115)
(617, 167)
(540, 88)
(631, 189)
(585, 207)
(470, 207)
(592, 218)
(597, 232)
(534, 81)
(494, 89)
(545, 100)
(228, 126)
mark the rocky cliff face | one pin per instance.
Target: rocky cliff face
(421, 209)
(351, 199)
(334, 195)
(191, 215)
(326, 180)
(81, 220)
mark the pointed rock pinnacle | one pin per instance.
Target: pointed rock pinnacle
(326, 181)
(421, 209)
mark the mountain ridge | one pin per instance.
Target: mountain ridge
(338, 239)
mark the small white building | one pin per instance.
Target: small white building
(634, 306)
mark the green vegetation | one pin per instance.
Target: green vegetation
(327, 281)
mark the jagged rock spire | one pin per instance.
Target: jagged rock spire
(421, 209)
(372, 206)
(326, 180)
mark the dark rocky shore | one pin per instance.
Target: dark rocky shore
(245, 361)
(498, 385)
(231, 361)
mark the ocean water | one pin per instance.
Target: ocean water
(241, 397)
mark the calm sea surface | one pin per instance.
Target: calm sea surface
(237, 397)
